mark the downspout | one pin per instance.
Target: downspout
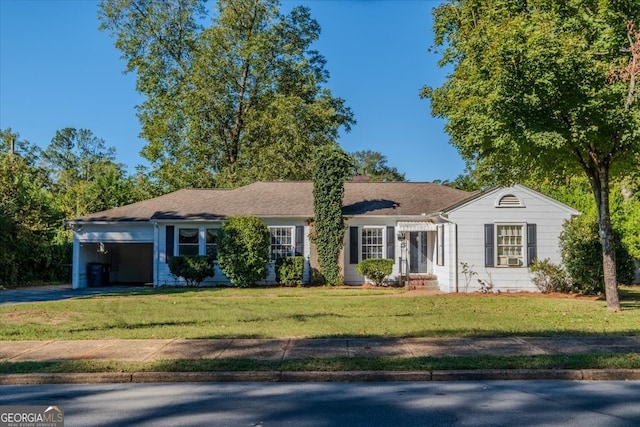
(156, 254)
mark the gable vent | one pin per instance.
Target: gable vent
(509, 201)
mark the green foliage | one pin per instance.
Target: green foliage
(290, 270)
(227, 103)
(331, 168)
(549, 277)
(29, 224)
(374, 165)
(192, 268)
(582, 256)
(375, 269)
(243, 249)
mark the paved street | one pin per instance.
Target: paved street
(464, 403)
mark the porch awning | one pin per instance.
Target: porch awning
(416, 226)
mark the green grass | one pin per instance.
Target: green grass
(314, 313)
(573, 361)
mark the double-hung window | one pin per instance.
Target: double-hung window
(188, 241)
(510, 245)
(282, 242)
(372, 242)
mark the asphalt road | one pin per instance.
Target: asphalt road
(463, 403)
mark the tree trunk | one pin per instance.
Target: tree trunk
(600, 186)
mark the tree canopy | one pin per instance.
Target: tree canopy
(230, 102)
(374, 165)
(543, 88)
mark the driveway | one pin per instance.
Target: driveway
(60, 292)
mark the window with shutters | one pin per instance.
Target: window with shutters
(282, 242)
(372, 242)
(510, 245)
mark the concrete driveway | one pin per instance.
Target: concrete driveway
(60, 292)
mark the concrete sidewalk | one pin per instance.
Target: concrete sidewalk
(294, 348)
(288, 349)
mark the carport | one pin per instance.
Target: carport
(103, 257)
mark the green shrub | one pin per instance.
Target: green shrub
(243, 249)
(192, 268)
(375, 269)
(290, 270)
(582, 256)
(549, 277)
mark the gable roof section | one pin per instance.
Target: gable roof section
(285, 199)
(493, 192)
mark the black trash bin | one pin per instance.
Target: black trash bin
(97, 274)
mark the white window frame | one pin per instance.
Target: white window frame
(363, 244)
(180, 245)
(202, 238)
(507, 245)
(279, 249)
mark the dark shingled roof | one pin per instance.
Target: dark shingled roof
(286, 199)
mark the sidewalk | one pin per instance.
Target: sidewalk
(284, 349)
(289, 349)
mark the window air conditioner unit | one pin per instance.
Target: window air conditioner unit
(513, 261)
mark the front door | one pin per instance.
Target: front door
(418, 252)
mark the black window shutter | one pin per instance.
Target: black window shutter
(299, 240)
(532, 243)
(169, 241)
(391, 243)
(488, 245)
(353, 245)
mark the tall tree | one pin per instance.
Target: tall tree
(544, 88)
(374, 165)
(76, 155)
(239, 100)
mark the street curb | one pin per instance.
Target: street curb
(319, 376)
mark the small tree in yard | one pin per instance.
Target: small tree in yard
(375, 269)
(192, 268)
(243, 250)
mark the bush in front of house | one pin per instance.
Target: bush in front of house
(582, 256)
(192, 268)
(549, 277)
(375, 269)
(289, 270)
(243, 249)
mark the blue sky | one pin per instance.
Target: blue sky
(57, 70)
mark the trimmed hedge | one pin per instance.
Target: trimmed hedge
(192, 268)
(290, 270)
(375, 269)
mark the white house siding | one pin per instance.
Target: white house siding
(548, 215)
(446, 273)
(165, 278)
(351, 276)
(86, 249)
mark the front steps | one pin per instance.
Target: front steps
(418, 281)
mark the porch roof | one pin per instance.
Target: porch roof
(416, 226)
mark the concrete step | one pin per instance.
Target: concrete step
(422, 282)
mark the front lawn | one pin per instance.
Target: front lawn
(315, 312)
